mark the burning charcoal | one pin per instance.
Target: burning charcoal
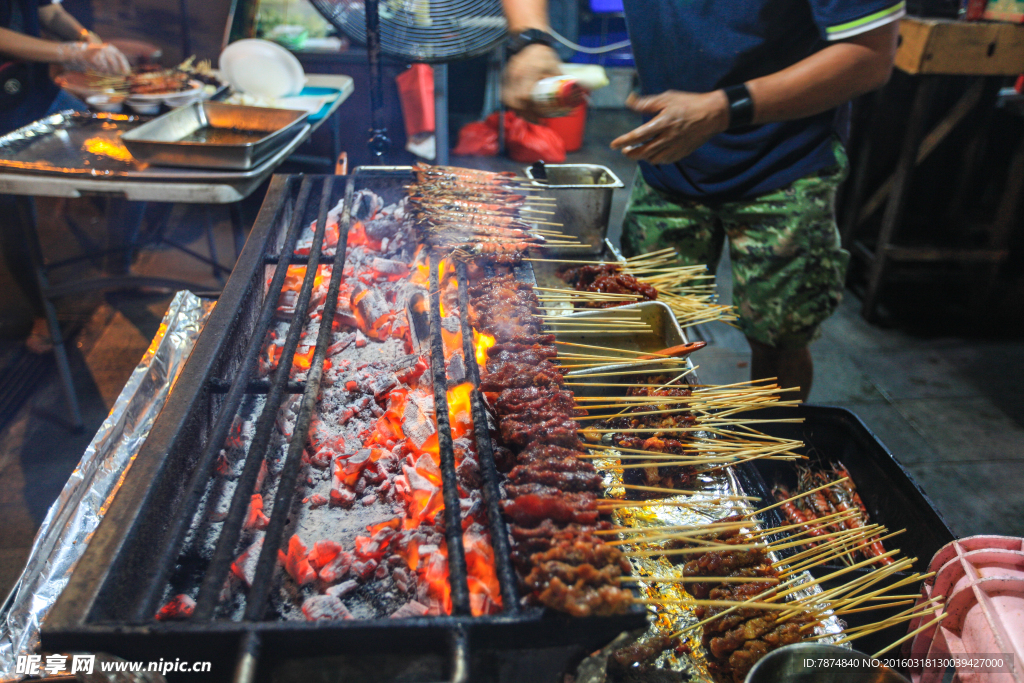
(342, 589)
(366, 205)
(413, 371)
(417, 425)
(372, 307)
(364, 570)
(254, 518)
(376, 410)
(360, 486)
(452, 324)
(368, 500)
(337, 568)
(323, 553)
(179, 607)
(322, 458)
(245, 566)
(504, 459)
(316, 500)
(456, 368)
(325, 607)
(392, 270)
(381, 384)
(361, 340)
(295, 561)
(347, 468)
(381, 573)
(410, 609)
(381, 229)
(342, 497)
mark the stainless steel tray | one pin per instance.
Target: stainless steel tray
(584, 202)
(237, 137)
(665, 332)
(70, 145)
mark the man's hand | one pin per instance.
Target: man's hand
(522, 72)
(101, 57)
(684, 121)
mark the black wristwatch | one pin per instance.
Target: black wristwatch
(528, 37)
(741, 106)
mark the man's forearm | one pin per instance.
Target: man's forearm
(20, 46)
(56, 20)
(524, 14)
(827, 78)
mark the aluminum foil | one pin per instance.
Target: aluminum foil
(691, 510)
(64, 533)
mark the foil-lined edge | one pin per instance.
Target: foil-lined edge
(703, 508)
(64, 534)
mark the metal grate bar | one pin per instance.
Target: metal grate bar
(457, 573)
(256, 603)
(259, 386)
(492, 494)
(231, 530)
(273, 259)
(166, 559)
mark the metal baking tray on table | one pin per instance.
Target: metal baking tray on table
(213, 135)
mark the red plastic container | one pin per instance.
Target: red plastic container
(570, 128)
(416, 93)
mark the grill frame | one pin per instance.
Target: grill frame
(103, 609)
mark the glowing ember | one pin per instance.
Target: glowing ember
(460, 411)
(104, 147)
(481, 342)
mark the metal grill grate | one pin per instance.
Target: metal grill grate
(113, 595)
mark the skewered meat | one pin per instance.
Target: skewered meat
(532, 509)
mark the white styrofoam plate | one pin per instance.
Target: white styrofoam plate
(261, 68)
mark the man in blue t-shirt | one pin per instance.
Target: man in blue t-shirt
(745, 104)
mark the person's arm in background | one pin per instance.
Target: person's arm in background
(78, 54)
(55, 19)
(839, 72)
(530, 64)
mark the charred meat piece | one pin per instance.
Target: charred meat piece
(557, 431)
(569, 474)
(566, 508)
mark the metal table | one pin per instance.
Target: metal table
(205, 187)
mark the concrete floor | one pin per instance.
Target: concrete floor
(948, 407)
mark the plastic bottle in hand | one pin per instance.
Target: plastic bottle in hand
(558, 95)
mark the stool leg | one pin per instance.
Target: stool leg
(27, 208)
(893, 215)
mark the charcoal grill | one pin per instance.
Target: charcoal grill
(114, 592)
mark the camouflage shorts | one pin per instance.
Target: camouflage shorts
(788, 267)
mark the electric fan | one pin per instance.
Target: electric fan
(433, 31)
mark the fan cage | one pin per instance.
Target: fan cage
(431, 31)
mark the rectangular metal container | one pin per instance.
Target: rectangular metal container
(161, 141)
(584, 194)
(664, 333)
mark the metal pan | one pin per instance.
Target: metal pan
(664, 333)
(213, 135)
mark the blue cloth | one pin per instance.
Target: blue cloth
(704, 45)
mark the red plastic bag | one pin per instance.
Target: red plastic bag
(527, 142)
(479, 139)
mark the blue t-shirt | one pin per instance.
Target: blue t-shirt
(704, 45)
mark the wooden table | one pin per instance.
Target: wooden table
(931, 49)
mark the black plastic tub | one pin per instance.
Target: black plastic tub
(889, 492)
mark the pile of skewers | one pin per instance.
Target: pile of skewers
(481, 213)
(824, 503)
(688, 290)
(154, 80)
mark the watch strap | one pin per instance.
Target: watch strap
(528, 37)
(741, 106)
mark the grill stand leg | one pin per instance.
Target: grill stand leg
(248, 659)
(27, 208)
